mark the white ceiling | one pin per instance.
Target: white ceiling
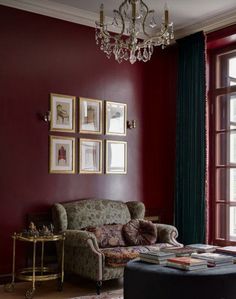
(188, 15)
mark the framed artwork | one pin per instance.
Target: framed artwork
(116, 117)
(90, 156)
(62, 113)
(116, 157)
(62, 155)
(90, 116)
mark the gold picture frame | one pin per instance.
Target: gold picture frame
(116, 157)
(62, 155)
(62, 113)
(90, 116)
(90, 153)
(116, 118)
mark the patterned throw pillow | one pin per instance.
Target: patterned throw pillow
(140, 232)
(110, 235)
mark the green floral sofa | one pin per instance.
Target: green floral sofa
(84, 255)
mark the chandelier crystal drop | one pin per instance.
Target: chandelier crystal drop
(138, 32)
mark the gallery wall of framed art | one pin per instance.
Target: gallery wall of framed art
(73, 152)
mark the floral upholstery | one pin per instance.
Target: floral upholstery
(90, 212)
(167, 234)
(136, 209)
(119, 256)
(110, 235)
(59, 217)
(83, 255)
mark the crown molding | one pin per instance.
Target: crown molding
(55, 10)
(87, 18)
(212, 24)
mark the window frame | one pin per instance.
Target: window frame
(214, 92)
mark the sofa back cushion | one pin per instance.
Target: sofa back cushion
(96, 212)
(110, 235)
(140, 232)
(136, 209)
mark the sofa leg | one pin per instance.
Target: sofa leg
(98, 287)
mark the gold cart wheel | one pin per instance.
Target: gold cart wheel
(59, 286)
(29, 294)
(9, 288)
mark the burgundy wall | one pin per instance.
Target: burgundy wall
(40, 55)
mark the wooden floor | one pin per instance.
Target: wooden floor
(73, 287)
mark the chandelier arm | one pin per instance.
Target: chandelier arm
(105, 33)
(122, 44)
(122, 20)
(150, 40)
(145, 17)
(119, 12)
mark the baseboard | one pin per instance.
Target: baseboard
(5, 278)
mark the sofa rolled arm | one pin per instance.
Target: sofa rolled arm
(167, 234)
(81, 238)
(83, 254)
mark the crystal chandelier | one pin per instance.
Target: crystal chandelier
(137, 29)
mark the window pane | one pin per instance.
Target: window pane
(221, 149)
(226, 185)
(232, 185)
(232, 71)
(222, 113)
(221, 184)
(232, 148)
(232, 67)
(232, 82)
(232, 228)
(232, 112)
(220, 221)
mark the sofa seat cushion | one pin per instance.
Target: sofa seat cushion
(140, 232)
(119, 256)
(110, 235)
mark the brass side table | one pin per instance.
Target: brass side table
(37, 273)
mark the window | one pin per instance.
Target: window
(223, 147)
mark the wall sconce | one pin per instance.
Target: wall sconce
(46, 117)
(131, 124)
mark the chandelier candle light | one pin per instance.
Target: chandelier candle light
(137, 29)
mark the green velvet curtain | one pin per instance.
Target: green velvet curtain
(191, 140)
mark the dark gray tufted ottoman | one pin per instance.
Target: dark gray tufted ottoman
(150, 281)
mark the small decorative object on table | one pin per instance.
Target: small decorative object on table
(32, 231)
(37, 273)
